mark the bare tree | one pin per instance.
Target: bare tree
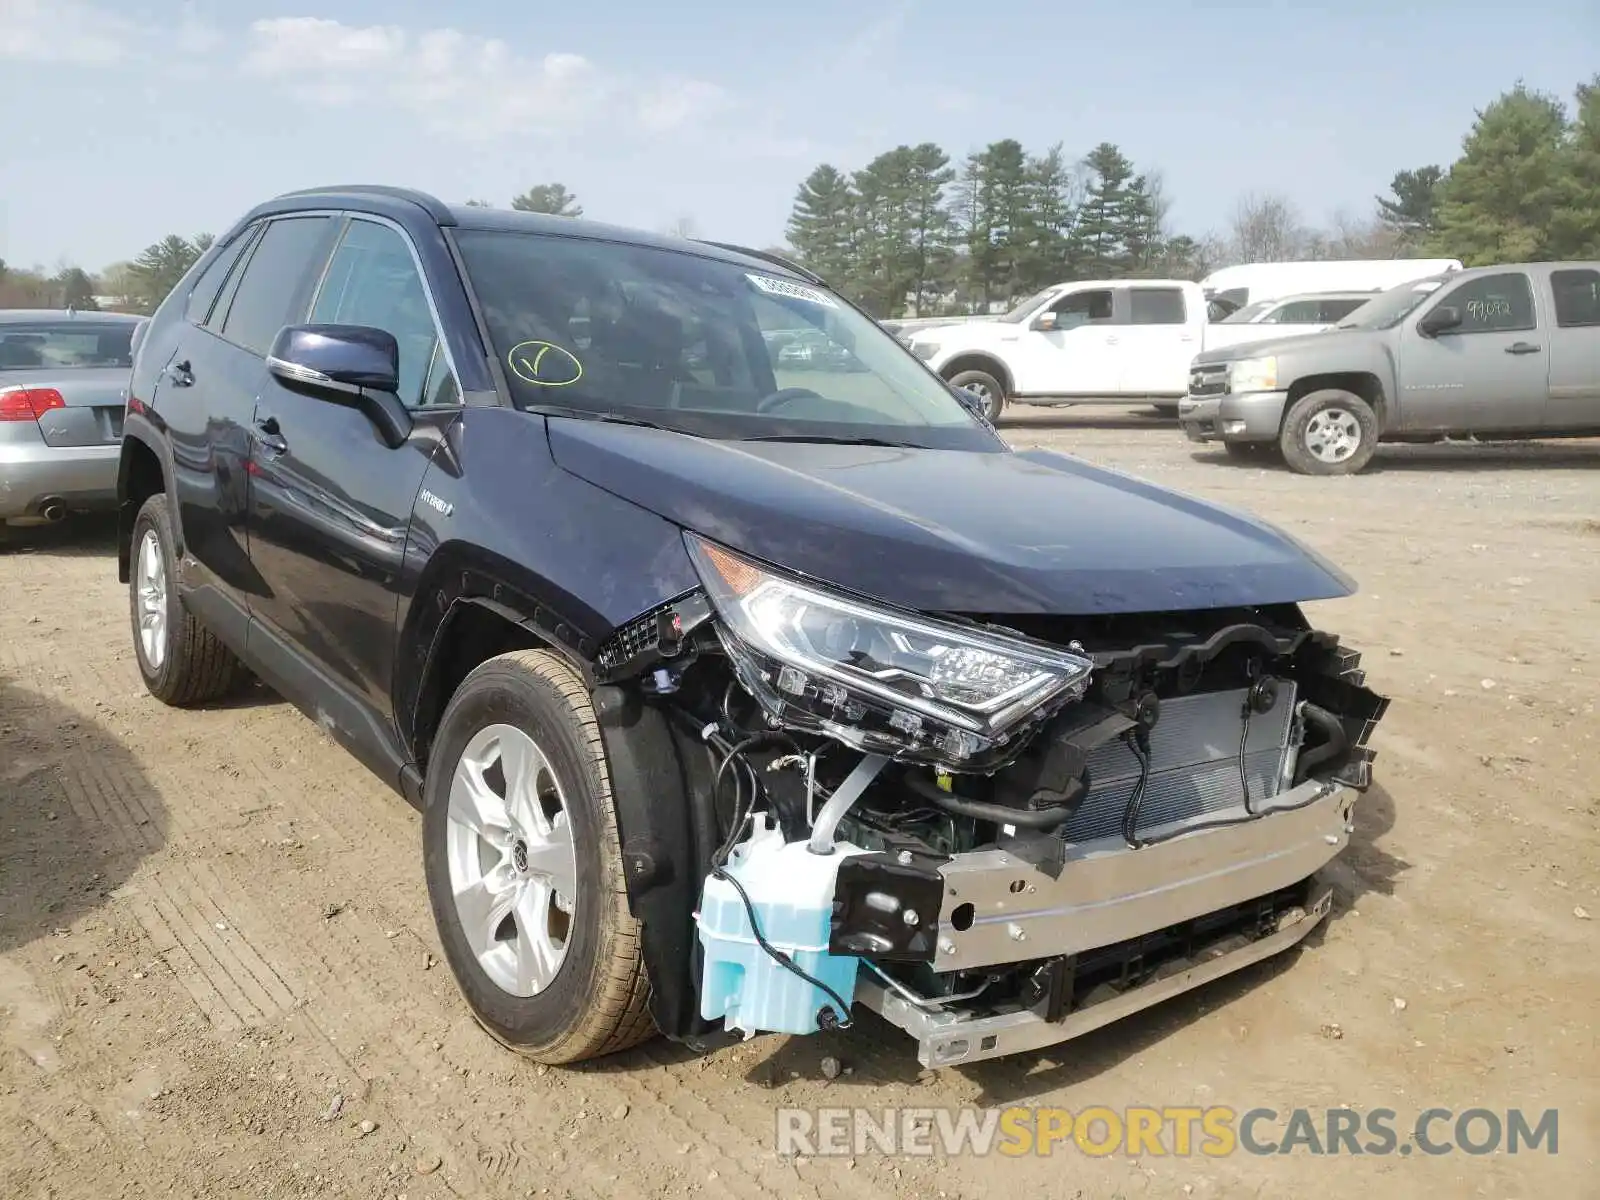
(683, 227)
(1266, 229)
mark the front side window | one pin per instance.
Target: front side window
(63, 345)
(1083, 308)
(700, 345)
(373, 281)
(1296, 312)
(271, 290)
(1493, 303)
(1157, 306)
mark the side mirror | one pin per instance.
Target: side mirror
(346, 364)
(1045, 322)
(1441, 320)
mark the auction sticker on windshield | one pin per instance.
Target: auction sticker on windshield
(795, 291)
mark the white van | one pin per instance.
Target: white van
(1250, 282)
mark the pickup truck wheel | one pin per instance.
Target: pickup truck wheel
(986, 387)
(180, 660)
(1329, 432)
(524, 865)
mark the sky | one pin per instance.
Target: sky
(124, 120)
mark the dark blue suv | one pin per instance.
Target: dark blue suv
(737, 687)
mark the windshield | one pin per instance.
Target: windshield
(58, 345)
(1020, 313)
(1388, 309)
(700, 345)
(1249, 313)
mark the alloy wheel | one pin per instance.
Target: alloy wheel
(152, 576)
(513, 865)
(1333, 435)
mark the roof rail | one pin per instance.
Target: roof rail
(768, 256)
(436, 208)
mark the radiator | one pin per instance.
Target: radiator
(1194, 764)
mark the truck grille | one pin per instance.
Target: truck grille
(1194, 764)
(1210, 380)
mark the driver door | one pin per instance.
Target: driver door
(1078, 355)
(1489, 372)
(330, 502)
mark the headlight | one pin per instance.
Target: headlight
(876, 678)
(1254, 375)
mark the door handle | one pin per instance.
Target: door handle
(1111, 341)
(181, 374)
(267, 435)
(1523, 348)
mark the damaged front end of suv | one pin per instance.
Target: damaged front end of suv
(996, 830)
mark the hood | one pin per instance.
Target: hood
(1282, 345)
(952, 531)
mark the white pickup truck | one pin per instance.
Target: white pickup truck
(1087, 342)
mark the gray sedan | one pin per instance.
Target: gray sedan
(63, 386)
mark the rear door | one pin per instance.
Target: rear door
(1489, 373)
(330, 503)
(82, 365)
(207, 396)
(1156, 341)
(1574, 350)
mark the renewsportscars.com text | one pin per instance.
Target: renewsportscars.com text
(1171, 1130)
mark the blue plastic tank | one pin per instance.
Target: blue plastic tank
(791, 890)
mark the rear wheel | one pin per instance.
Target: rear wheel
(180, 660)
(1329, 432)
(524, 865)
(984, 386)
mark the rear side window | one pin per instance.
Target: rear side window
(56, 346)
(211, 280)
(1157, 306)
(1577, 298)
(1494, 303)
(272, 291)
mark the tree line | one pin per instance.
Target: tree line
(914, 232)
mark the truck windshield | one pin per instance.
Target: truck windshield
(1020, 313)
(1248, 314)
(1388, 309)
(700, 345)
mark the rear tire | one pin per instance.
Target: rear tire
(181, 661)
(986, 387)
(559, 978)
(1329, 432)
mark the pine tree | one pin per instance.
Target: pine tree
(994, 206)
(1109, 219)
(551, 198)
(822, 227)
(1410, 211)
(1052, 210)
(931, 228)
(1499, 199)
(1575, 223)
(160, 267)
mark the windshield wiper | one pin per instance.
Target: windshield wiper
(580, 414)
(825, 440)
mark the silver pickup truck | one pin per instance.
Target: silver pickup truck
(1501, 352)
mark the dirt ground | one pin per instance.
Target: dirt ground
(214, 922)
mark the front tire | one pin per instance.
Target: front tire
(1329, 432)
(181, 661)
(986, 387)
(524, 865)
